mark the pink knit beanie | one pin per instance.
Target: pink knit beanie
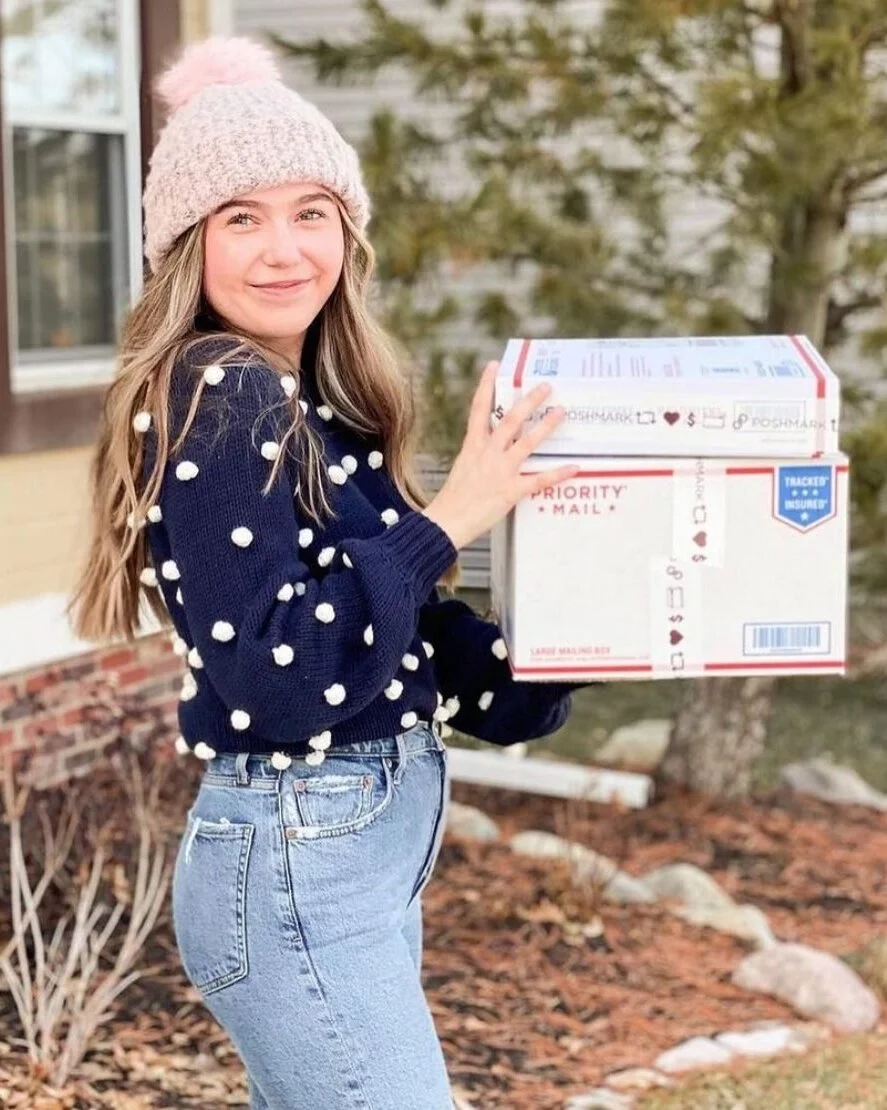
(234, 127)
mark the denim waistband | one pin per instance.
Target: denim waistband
(256, 768)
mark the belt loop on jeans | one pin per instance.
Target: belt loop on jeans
(241, 772)
(401, 758)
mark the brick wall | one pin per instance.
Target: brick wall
(57, 719)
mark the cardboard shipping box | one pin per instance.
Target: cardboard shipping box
(661, 568)
(734, 396)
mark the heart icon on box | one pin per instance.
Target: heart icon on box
(700, 539)
(671, 417)
(675, 636)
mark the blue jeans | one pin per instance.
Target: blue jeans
(297, 913)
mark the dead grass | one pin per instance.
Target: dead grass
(850, 1074)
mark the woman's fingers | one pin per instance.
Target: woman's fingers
(533, 438)
(547, 478)
(511, 423)
(478, 426)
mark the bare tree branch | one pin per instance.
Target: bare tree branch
(839, 313)
(793, 17)
(859, 180)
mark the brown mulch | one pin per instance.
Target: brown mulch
(538, 989)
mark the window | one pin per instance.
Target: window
(70, 71)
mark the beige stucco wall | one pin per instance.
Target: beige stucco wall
(43, 506)
(195, 19)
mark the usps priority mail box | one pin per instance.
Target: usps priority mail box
(707, 396)
(669, 568)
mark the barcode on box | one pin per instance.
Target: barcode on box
(787, 370)
(546, 366)
(794, 638)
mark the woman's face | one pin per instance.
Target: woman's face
(272, 259)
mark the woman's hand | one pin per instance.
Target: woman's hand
(485, 482)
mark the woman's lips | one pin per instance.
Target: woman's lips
(279, 288)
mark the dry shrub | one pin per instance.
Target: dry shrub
(85, 869)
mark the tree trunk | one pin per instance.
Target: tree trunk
(721, 726)
(812, 242)
(719, 733)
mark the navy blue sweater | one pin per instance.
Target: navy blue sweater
(293, 631)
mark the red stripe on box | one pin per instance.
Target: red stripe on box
(647, 668)
(640, 668)
(771, 665)
(817, 370)
(521, 363)
(734, 471)
(611, 474)
(770, 469)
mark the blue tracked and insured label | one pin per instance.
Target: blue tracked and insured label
(805, 495)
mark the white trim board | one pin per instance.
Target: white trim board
(221, 17)
(35, 632)
(545, 776)
(73, 373)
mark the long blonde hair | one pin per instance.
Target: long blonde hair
(359, 373)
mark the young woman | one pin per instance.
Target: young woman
(253, 483)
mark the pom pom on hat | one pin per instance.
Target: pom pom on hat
(215, 61)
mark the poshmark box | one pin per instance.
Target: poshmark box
(666, 568)
(733, 396)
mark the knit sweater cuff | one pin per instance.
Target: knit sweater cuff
(421, 550)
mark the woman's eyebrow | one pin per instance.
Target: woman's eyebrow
(238, 202)
(241, 202)
(309, 197)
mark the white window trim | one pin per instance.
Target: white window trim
(38, 377)
(79, 370)
(221, 17)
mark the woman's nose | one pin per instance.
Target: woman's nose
(283, 248)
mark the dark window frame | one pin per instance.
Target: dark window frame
(59, 419)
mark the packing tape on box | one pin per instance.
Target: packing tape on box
(676, 619)
(699, 513)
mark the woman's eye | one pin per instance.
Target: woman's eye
(312, 214)
(240, 218)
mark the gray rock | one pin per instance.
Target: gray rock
(540, 844)
(640, 745)
(701, 901)
(689, 884)
(470, 823)
(759, 1042)
(833, 783)
(637, 1079)
(587, 866)
(745, 922)
(804, 1034)
(600, 1099)
(698, 1052)
(815, 983)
